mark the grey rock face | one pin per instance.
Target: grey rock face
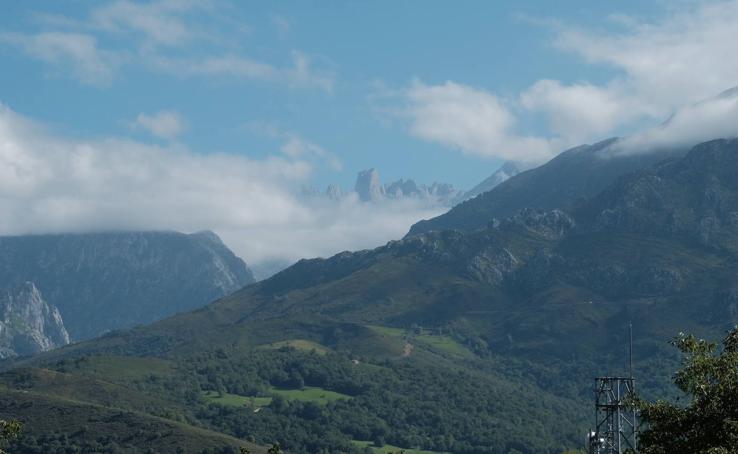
(368, 186)
(28, 324)
(106, 281)
(333, 192)
(576, 174)
(552, 225)
(692, 197)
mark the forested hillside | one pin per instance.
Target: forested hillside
(448, 341)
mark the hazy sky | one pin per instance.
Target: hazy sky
(210, 114)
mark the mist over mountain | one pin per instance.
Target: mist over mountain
(495, 306)
(501, 175)
(370, 189)
(575, 174)
(106, 281)
(368, 228)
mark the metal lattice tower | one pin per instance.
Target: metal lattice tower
(616, 429)
(615, 419)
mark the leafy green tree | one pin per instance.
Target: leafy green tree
(275, 449)
(708, 424)
(9, 430)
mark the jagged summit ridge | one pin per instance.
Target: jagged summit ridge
(369, 188)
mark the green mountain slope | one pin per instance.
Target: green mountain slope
(106, 281)
(578, 173)
(448, 341)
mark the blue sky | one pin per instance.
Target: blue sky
(189, 115)
(502, 46)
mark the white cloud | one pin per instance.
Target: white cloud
(685, 57)
(580, 112)
(294, 145)
(330, 227)
(300, 74)
(179, 37)
(160, 22)
(50, 183)
(164, 124)
(659, 67)
(297, 147)
(714, 118)
(75, 52)
(471, 120)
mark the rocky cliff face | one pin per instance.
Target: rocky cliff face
(368, 186)
(107, 281)
(28, 324)
(695, 197)
(575, 174)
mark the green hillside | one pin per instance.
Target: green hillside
(467, 342)
(55, 424)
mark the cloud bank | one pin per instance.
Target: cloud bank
(470, 120)
(50, 183)
(713, 118)
(658, 67)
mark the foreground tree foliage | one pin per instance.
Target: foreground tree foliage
(9, 430)
(709, 423)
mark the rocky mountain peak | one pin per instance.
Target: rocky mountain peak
(334, 192)
(369, 186)
(28, 324)
(402, 188)
(111, 280)
(505, 172)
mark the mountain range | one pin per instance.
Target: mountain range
(575, 174)
(369, 188)
(106, 281)
(478, 332)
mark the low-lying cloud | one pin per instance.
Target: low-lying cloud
(710, 119)
(50, 183)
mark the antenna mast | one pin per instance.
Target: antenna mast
(630, 352)
(615, 418)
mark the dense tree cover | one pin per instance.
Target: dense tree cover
(398, 403)
(708, 424)
(447, 407)
(404, 403)
(60, 443)
(9, 431)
